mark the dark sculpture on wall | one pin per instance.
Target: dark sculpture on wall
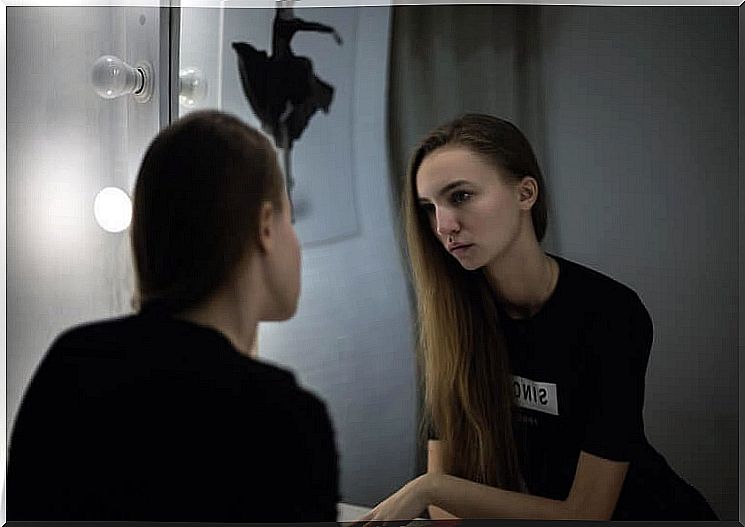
(282, 89)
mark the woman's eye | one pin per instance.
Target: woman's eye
(460, 196)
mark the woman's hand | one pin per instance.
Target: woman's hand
(404, 505)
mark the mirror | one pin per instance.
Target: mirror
(633, 116)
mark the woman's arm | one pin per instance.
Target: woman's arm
(434, 466)
(593, 496)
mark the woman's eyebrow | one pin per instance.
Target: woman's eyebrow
(447, 188)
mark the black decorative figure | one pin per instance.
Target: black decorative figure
(282, 89)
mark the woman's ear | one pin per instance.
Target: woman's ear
(528, 190)
(266, 227)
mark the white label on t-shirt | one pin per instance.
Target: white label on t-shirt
(540, 396)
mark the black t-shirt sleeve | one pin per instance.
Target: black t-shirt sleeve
(617, 368)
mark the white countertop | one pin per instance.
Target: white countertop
(349, 512)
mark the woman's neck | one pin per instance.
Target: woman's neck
(228, 316)
(524, 279)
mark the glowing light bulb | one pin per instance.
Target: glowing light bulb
(112, 209)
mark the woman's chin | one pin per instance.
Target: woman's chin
(469, 264)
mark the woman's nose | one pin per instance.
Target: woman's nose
(446, 223)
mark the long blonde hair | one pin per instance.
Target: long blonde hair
(462, 353)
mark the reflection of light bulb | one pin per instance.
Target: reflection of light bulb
(112, 209)
(192, 87)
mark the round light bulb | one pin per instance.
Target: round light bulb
(112, 77)
(112, 209)
(192, 87)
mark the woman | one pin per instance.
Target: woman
(164, 415)
(533, 365)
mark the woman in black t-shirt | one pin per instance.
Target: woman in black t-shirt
(166, 415)
(533, 365)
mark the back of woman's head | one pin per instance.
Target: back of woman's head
(196, 209)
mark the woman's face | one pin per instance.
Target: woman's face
(474, 210)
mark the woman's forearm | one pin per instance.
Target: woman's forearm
(466, 499)
(436, 513)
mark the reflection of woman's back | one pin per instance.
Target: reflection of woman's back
(283, 89)
(166, 415)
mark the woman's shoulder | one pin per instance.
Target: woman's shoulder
(161, 342)
(608, 305)
(131, 333)
(95, 337)
(169, 355)
(592, 284)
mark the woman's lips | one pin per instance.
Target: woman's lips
(459, 250)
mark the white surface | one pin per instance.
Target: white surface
(350, 513)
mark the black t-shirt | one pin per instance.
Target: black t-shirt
(579, 368)
(151, 418)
